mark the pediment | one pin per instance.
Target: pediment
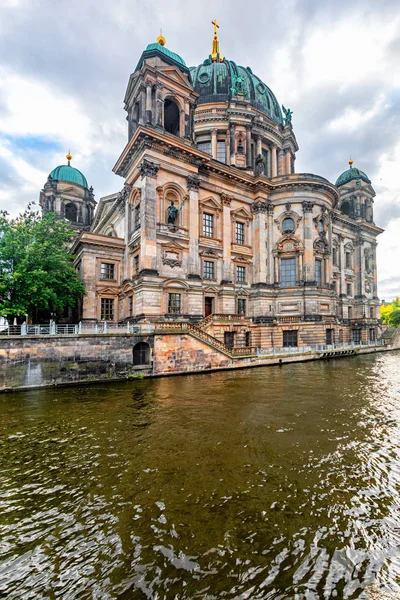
(108, 290)
(172, 246)
(241, 213)
(175, 283)
(210, 202)
(175, 74)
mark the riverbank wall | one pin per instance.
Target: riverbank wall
(40, 361)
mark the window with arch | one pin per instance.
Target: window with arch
(320, 226)
(71, 212)
(171, 116)
(141, 354)
(288, 225)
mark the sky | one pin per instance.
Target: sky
(65, 65)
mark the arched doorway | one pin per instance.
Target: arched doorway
(141, 354)
(71, 212)
(347, 208)
(171, 117)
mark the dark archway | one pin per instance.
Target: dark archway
(347, 208)
(71, 212)
(171, 117)
(141, 354)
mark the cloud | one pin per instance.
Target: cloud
(64, 70)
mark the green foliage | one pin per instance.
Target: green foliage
(36, 270)
(390, 313)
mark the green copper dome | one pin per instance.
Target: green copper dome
(350, 175)
(68, 173)
(220, 81)
(167, 55)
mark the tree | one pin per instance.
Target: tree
(390, 313)
(36, 270)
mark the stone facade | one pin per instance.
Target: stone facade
(213, 221)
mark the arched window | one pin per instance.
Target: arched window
(321, 226)
(288, 225)
(141, 354)
(71, 212)
(347, 208)
(171, 117)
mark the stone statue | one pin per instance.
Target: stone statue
(288, 114)
(173, 212)
(260, 164)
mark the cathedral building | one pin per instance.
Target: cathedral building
(213, 225)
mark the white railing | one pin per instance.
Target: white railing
(80, 328)
(317, 348)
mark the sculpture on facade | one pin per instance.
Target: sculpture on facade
(288, 115)
(173, 212)
(260, 164)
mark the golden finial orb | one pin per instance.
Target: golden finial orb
(161, 40)
(351, 162)
(68, 157)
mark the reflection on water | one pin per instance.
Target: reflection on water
(267, 483)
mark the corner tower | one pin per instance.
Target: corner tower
(66, 192)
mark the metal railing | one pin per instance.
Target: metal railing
(317, 348)
(61, 329)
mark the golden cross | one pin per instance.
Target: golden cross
(215, 26)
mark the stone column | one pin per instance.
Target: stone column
(374, 270)
(342, 264)
(308, 262)
(142, 106)
(228, 148)
(159, 105)
(187, 119)
(248, 146)
(149, 116)
(270, 243)
(226, 239)
(276, 270)
(259, 145)
(288, 168)
(281, 162)
(214, 143)
(359, 268)
(259, 209)
(193, 183)
(148, 226)
(274, 172)
(233, 143)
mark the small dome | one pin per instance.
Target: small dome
(68, 173)
(157, 49)
(220, 81)
(350, 175)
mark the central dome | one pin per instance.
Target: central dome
(221, 81)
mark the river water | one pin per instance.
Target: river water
(272, 483)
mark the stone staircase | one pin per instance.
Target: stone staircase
(198, 331)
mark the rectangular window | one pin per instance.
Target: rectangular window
(241, 306)
(350, 312)
(204, 147)
(130, 306)
(107, 309)
(239, 233)
(372, 335)
(107, 271)
(240, 274)
(247, 339)
(136, 264)
(137, 217)
(289, 338)
(229, 339)
(288, 272)
(330, 338)
(371, 313)
(318, 272)
(356, 335)
(221, 151)
(348, 260)
(334, 257)
(208, 225)
(208, 269)
(174, 304)
(348, 289)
